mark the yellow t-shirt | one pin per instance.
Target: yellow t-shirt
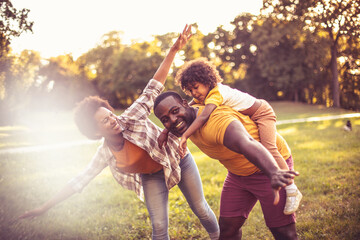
(133, 159)
(209, 139)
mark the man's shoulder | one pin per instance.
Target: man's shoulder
(221, 111)
(217, 123)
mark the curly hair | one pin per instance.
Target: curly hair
(84, 115)
(198, 70)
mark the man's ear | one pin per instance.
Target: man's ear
(185, 103)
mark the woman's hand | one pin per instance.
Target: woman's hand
(183, 38)
(32, 213)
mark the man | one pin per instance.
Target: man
(136, 162)
(232, 138)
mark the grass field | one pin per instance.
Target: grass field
(327, 158)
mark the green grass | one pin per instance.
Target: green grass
(290, 110)
(39, 128)
(327, 158)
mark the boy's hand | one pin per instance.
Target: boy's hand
(182, 147)
(183, 38)
(162, 139)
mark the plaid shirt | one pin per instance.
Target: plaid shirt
(141, 131)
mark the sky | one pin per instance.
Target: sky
(76, 26)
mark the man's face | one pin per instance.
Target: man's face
(174, 115)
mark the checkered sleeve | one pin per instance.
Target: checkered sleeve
(142, 107)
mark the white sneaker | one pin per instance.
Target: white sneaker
(292, 202)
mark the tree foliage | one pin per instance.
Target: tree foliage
(13, 22)
(18, 78)
(61, 76)
(289, 52)
(339, 18)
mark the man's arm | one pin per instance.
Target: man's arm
(237, 139)
(163, 70)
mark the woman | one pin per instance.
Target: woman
(137, 163)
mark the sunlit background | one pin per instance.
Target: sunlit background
(75, 27)
(68, 26)
(285, 61)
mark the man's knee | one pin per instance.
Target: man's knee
(287, 232)
(230, 227)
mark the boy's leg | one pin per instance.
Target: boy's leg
(265, 120)
(156, 199)
(191, 186)
(293, 195)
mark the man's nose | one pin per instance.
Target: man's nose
(172, 118)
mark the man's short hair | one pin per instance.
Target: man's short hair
(165, 95)
(84, 115)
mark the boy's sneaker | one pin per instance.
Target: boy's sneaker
(292, 202)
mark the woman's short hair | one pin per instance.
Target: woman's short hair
(84, 115)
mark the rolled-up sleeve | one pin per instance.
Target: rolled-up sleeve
(97, 164)
(141, 108)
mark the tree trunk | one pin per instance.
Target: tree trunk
(296, 95)
(335, 77)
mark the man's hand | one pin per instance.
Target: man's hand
(281, 179)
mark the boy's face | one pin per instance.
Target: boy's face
(198, 91)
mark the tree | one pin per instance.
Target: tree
(13, 22)
(291, 58)
(350, 70)
(120, 72)
(19, 76)
(339, 18)
(273, 59)
(234, 51)
(96, 64)
(60, 77)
